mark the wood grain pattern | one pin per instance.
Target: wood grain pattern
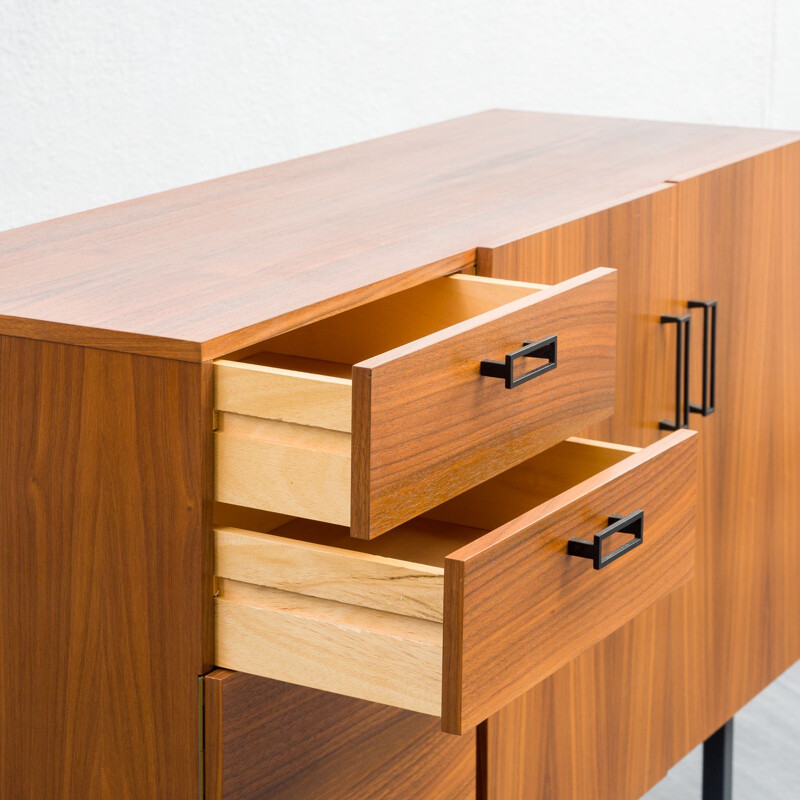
(516, 491)
(517, 608)
(428, 426)
(640, 240)
(514, 602)
(301, 398)
(638, 691)
(106, 584)
(660, 685)
(350, 650)
(318, 570)
(266, 739)
(422, 540)
(396, 320)
(286, 469)
(207, 269)
(280, 430)
(740, 244)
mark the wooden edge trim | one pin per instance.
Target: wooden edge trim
(537, 287)
(484, 319)
(621, 448)
(185, 350)
(287, 373)
(452, 654)
(792, 138)
(361, 447)
(228, 532)
(212, 731)
(101, 339)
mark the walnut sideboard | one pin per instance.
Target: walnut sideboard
(461, 463)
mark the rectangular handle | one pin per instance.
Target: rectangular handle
(681, 373)
(632, 523)
(709, 357)
(544, 348)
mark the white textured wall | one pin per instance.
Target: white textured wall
(102, 100)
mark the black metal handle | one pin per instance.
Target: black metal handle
(632, 523)
(544, 348)
(681, 373)
(709, 357)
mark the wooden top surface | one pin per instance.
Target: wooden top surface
(199, 271)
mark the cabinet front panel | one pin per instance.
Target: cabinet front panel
(667, 680)
(266, 739)
(610, 723)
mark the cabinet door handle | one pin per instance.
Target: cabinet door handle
(544, 348)
(632, 523)
(681, 372)
(709, 357)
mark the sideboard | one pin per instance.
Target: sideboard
(459, 463)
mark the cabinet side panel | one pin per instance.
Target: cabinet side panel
(101, 546)
(276, 740)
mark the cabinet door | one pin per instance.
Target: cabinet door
(740, 245)
(267, 739)
(613, 721)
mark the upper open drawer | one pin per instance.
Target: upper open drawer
(375, 415)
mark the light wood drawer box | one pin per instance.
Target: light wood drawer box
(370, 417)
(440, 616)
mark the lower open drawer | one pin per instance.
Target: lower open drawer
(457, 612)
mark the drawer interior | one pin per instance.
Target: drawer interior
(304, 376)
(331, 346)
(284, 408)
(303, 601)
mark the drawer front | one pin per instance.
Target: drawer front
(427, 425)
(517, 607)
(442, 617)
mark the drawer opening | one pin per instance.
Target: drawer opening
(331, 346)
(371, 417)
(284, 408)
(302, 601)
(304, 376)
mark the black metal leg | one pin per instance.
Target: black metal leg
(718, 764)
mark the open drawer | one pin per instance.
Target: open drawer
(458, 612)
(370, 417)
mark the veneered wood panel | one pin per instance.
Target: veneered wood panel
(740, 245)
(611, 723)
(103, 476)
(638, 239)
(517, 607)
(691, 661)
(270, 739)
(207, 269)
(427, 426)
(606, 725)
